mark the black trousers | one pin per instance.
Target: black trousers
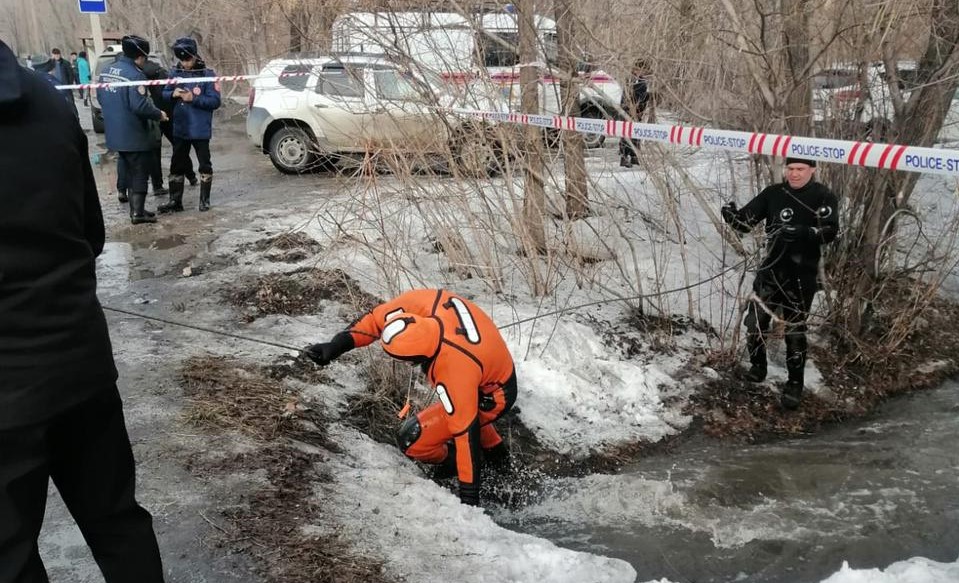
(629, 147)
(166, 128)
(133, 170)
(156, 168)
(180, 164)
(790, 295)
(87, 452)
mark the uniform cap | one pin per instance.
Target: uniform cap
(410, 337)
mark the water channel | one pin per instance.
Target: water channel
(872, 492)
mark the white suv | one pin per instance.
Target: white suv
(308, 112)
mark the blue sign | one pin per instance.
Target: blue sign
(93, 6)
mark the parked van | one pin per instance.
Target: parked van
(476, 51)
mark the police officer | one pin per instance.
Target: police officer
(192, 124)
(800, 215)
(61, 416)
(467, 363)
(130, 118)
(154, 71)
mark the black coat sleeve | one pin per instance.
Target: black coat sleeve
(752, 214)
(93, 228)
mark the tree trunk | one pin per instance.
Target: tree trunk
(534, 203)
(795, 35)
(577, 201)
(917, 122)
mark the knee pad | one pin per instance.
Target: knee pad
(408, 432)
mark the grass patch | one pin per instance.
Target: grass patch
(296, 293)
(226, 394)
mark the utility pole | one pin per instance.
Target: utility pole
(97, 34)
(37, 41)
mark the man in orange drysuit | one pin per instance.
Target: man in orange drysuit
(466, 361)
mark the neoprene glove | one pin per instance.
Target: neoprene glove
(729, 211)
(326, 352)
(469, 494)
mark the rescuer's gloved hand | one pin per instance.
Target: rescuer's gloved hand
(326, 352)
(729, 212)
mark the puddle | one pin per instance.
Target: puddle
(168, 242)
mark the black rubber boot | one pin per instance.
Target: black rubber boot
(206, 183)
(792, 394)
(122, 195)
(447, 468)
(757, 359)
(139, 215)
(756, 373)
(175, 204)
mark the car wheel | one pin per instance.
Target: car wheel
(292, 150)
(97, 116)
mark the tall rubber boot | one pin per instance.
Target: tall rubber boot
(137, 202)
(795, 366)
(757, 358)
(206, 183)
(146, 213)
(122, 195)
(175, 204)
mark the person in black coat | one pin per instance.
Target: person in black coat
(800, 215)
(61, 416)
(634, 101)
(155, 71)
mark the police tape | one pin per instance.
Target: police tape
(181, 81)
(850, 153)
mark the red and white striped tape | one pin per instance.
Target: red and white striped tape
(181, 81)
(867, 154)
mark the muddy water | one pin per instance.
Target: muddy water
(872, 493)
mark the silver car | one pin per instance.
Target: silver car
(304, 113)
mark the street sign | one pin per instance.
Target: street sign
(93, 6)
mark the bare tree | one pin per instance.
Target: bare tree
(577, 200)
(534, 204)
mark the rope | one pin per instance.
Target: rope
(200, 328)
(504, 326)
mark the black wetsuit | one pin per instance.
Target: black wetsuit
(797, 222)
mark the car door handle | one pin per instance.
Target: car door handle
(320, 105)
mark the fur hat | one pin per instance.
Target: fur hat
(135, 46)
